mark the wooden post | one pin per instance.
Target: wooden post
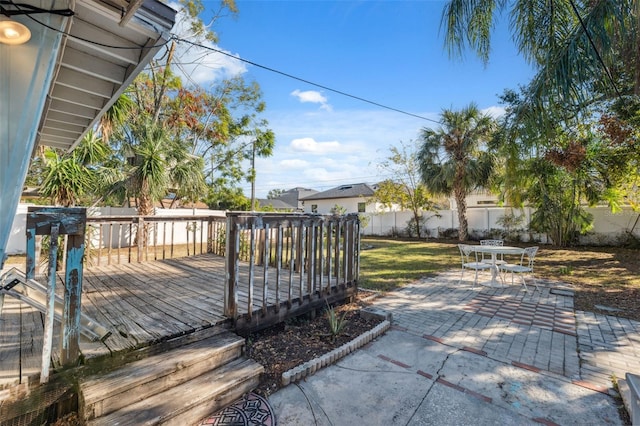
(47, 338)
(55, 221)
(232, 261)
(209, 235)
(279, 238)
(329, 254)
(252, 261)
(30, 271)
(350, 248)
(311, 257)
(141, 238)
(72, 300)
(265, 267)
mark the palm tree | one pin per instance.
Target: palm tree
(579, 47)
(158, 164)
(70, 177)
(451, 159)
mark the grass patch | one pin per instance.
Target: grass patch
(386, 264)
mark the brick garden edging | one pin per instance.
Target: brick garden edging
(310, 367)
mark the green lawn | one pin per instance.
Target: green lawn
(386, 263)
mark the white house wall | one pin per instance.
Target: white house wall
(349, 204)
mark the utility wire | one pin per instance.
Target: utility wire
(595, 49)
(273, 70)
(213, 49)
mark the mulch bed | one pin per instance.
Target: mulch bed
(285, 346)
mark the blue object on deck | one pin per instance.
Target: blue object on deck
(26, 72)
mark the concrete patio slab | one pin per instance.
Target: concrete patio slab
(463, 354)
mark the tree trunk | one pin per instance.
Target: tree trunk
(462, 214)
(416, 219)
(145, 206)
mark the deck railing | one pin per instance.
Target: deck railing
(281, 264)
(295, 261)
(126, 239)
(313, 258)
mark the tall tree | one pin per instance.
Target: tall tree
(452, 159)
(404, 188)
(170, 133)
(559, 170)
(275, 193)
(157, 164)
(578, 47)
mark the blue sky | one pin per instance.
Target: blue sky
(388, 52)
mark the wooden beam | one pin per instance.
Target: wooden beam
(131, 11)
(86, 83)
(87, 31)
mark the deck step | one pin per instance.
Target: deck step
(139, 382)
(192, 401)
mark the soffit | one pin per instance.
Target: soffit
(109, 44)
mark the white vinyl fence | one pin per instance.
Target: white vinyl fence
(609, 228)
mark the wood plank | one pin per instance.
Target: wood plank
(186, 289)
(99, 305)
(148, 302)
(174, 303)
(144, 299)
(10, 341)
(128, 307)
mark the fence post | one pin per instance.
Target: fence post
(209, 235)
(141, 237)
(232, 260)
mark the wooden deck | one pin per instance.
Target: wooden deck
(141, 304)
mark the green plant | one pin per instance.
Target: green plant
(336, 322)
(565, 270)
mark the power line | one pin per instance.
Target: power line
(595, 49)
(273, 70)
(213, 49)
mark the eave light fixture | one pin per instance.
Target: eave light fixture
(12, 32)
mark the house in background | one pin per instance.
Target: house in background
(276, 204)
(478, 198)
(290, 200)
(353, 198)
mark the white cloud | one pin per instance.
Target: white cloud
(312, 96)
(325, 150)
(324, 176)
(310, 146)
(494, 111)
(200, 66)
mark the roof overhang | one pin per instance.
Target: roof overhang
(109, 43)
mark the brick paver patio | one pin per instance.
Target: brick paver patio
(539, 331)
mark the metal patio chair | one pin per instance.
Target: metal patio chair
(500, 259)
(524, 267)
(470, 260)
